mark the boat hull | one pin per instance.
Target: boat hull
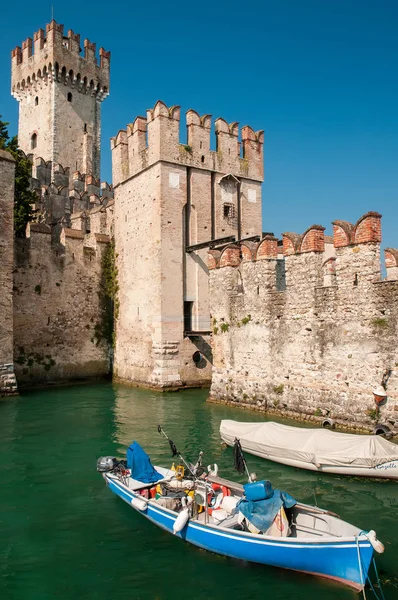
(333, 558)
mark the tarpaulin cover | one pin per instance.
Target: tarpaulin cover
(140, 464)
(317, 446)
(261, 513)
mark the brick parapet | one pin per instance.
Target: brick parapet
(156, 137)
(312, 240)
(354, 263)
(367, 229)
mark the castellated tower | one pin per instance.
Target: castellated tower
(172, 202)
(60, 94)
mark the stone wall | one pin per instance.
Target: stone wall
(317, 345)
(7, 377)
(59, 328)
(170, 197)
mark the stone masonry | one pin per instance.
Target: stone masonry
(8, 384)
(312, 343)
(169, 197)
(60, 94)
(58, 307)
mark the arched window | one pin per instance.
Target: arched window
(69, 96)
(36, 100)
(33, 141)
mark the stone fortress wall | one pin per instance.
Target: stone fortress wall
(308, 333)
(8, 384)
(58, 306)
(59, 312)
(170, 197)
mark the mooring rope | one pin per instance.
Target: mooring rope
(381, 597)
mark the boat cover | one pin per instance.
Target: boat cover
(317, 446)
(140, 464)
(261, 513)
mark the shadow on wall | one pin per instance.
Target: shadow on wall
(204, 353)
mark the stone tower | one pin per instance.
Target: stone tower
(173, 201)
(60, 93)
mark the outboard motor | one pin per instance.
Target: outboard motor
(106, 463)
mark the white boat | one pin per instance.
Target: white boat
(318, 450)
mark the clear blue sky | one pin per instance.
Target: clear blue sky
(319, 76)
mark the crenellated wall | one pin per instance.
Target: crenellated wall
(170, 197)
(60, 93)
(59, 310)
(313, 336)
(8, 384)
(74, 200)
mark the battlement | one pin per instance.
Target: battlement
(342, 263)
(366, 229)
(52, 56)
(312, 240)
(41, 238)
(73, 200)
(156, 137)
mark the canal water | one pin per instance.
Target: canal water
(64, 535)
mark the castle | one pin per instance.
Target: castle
(304, 326)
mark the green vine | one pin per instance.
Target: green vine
(105, 329)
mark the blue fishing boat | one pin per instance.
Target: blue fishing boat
(253, 522)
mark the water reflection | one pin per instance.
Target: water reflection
(64, 535)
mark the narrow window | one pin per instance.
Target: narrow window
(203, 159)
(85, 127)
(69, 96)
(188, 308)
(227, 211)
(36, 100)
(33, 141)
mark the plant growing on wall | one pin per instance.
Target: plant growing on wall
(380, 323)
(24, 198)
(109, 296)
(278, 389)
(246, 320)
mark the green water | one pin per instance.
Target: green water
(64, 535)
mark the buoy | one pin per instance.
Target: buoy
(377, 545)
(181, 521)
(138, 503)
(379, 394)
